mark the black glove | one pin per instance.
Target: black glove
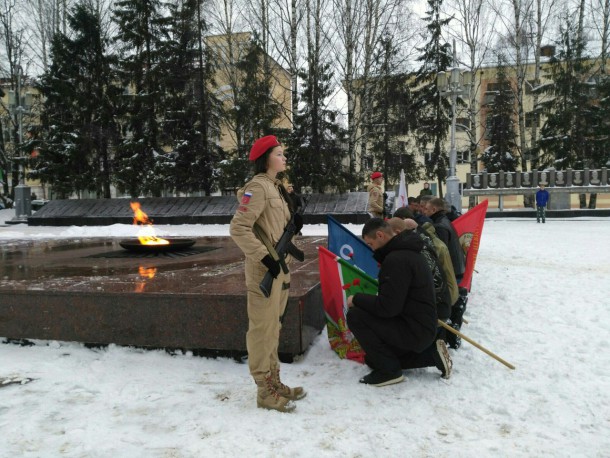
(298, 222)
(272, 265)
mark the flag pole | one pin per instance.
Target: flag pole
(479, 346)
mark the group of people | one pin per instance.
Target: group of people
(397, 328)
(421, 264)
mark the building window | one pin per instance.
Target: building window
(463, 156)
(532, 119)
(462, 124)
(529, 86)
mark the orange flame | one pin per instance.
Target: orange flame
(146, 234)
(147, 273)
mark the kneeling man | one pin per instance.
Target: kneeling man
(397, 327)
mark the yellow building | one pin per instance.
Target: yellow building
(485, 87)
(226, 51)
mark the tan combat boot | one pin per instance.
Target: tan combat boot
(268, 397)
(293, 394)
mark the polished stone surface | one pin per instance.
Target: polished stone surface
(94, 291)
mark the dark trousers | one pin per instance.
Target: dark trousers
(414, 360)
(386, 340)
(540, 213)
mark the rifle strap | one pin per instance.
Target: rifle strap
(260, 234)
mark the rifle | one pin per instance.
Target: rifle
(284, 246)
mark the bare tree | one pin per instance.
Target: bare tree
(278, 23)
(475, 32)
(44, 19)
(600, 18)
(360, 26)
(13, 39)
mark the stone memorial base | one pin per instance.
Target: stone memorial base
(95, 292)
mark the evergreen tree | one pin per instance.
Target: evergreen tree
(255, 110)
(78, 117)
(500, 154)
(568, 137)
(191, 113)
(432, 111)
(315, 150)
(391, 118)
(252, 113)
(143, 167)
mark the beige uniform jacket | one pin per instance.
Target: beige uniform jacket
(261, 203)
(375, 199)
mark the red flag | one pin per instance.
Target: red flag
(469, 228)
(338, 279)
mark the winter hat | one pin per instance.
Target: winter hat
(262, 145)
(376, 175)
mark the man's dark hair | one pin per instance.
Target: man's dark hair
(375, 224)
(403, 213)
(411, 199)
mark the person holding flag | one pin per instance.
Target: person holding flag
(397, 327)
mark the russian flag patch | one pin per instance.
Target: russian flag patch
(246, 198)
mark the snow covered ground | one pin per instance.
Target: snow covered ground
(539, 300)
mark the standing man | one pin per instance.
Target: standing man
(375, 207)
(542, 197)
(426, 191)
(397, 327)
(261, 217)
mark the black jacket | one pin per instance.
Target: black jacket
(446, 232)
(406, 288)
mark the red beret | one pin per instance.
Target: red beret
(376, 175)
(261, 146)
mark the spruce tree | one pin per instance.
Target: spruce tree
(500, 154)
(253, 112)
(191, 114)
(143, 167)
(568, 138)
(78, 118)
(315, 150)
(392, 118)
(432, 111)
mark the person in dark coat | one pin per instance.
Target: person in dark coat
(399, 323)
(435, 210)
(426, 191)
(297, 201)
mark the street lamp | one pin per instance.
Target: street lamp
(453, 83)
(23, 202)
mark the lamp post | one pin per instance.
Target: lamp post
(23, 199)
(451, 84)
